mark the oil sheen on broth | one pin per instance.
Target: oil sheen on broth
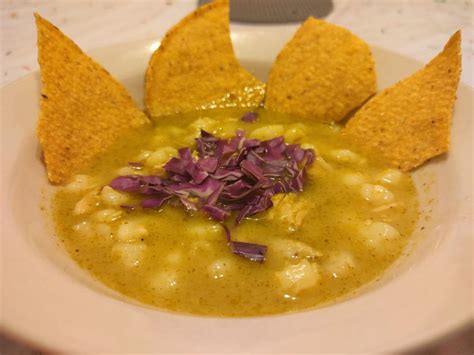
(351, 222)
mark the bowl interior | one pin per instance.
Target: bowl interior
(426, 294)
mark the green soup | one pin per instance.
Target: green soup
(351, 222)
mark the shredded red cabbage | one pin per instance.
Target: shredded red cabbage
(235, 175)
(249, 117)
(251, 251)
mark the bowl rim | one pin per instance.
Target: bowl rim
(13, 334)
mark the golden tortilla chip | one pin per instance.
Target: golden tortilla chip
(83, 109)
(322, 74)
(410, 122)
(195, 67)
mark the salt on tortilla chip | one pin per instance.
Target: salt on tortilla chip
(83, 109)
(410, 122)
(195, 67)
(322, 74)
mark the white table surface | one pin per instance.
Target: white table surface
(417, 28)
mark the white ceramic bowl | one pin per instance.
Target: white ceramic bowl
(47, 301)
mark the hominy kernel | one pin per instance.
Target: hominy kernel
(298, 277)
(219, 268)
(81, 183)
(267, 132)
(83, 229)
(376, 194)
(131, 254)
(112, 197)
(130, 231)
(108, 215)
(390, 176)
(376, 232)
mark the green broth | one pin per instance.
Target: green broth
(340, 235)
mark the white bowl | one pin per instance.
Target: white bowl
(48, 302)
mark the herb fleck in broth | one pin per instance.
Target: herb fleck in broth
(350, 223)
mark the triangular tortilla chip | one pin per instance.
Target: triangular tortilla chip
(410, 122)
(83, 109)
(322, 74)
(195, 67)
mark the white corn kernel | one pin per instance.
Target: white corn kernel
(83, 229)
(108, 215)
(87, 203)
(219, 268)
(345, 156)
(112, 197)
(131, 254)
(164, 281)
(376, 232)
(390, 176)
(353, 179)
(267, 132)
(131, 231)
(296, 278)
(376, 194)
(81, 183)
(339, 264)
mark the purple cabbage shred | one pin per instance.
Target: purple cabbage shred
(229, 175)
(249, 117)
(251, 251)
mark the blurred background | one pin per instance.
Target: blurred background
(416, 28)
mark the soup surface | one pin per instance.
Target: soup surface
(351, 222)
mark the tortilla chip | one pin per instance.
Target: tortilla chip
(322, 74)
(410, 122)
(83, 109)
(195, 67)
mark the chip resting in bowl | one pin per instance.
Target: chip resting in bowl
(84, 110)
(195, 67)
(410, 122)
(322, 74)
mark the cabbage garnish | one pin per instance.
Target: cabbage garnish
(251, 251)
(249, 117)
(230, 176)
